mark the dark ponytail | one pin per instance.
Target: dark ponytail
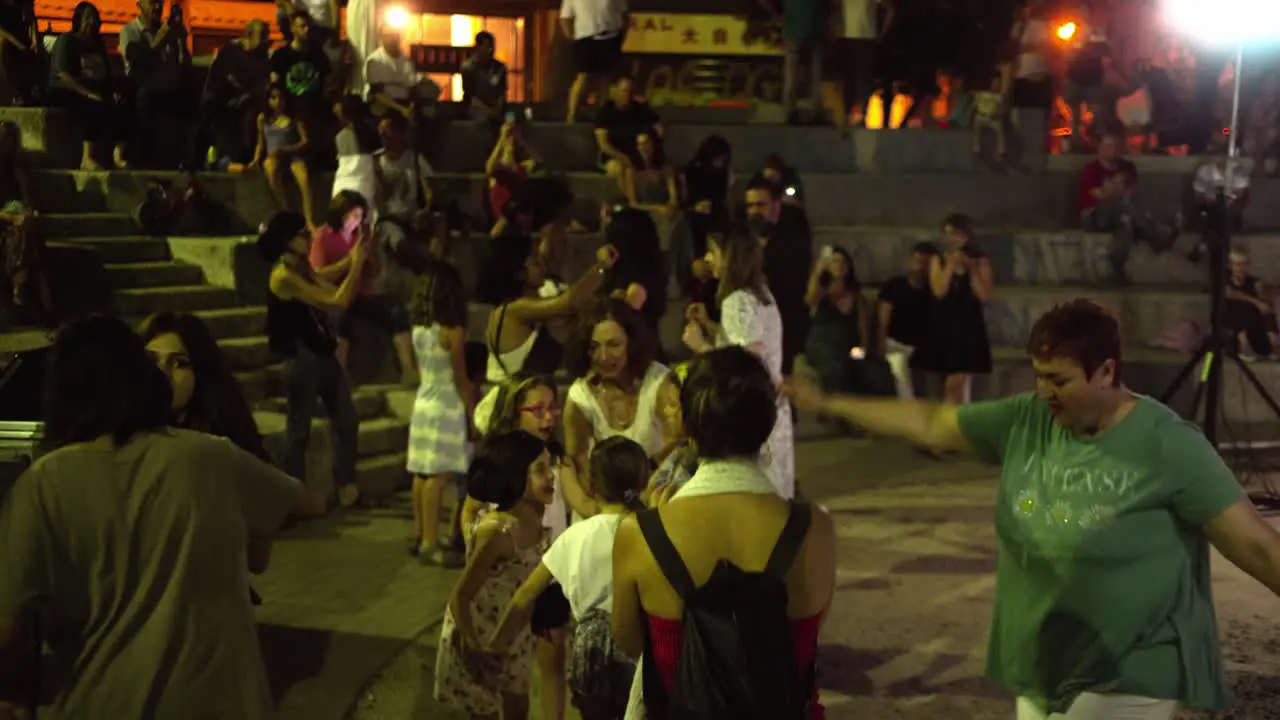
(620, 468)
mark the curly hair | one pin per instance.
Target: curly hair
(642, 346)
(439, 297)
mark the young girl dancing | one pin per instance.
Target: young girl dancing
(515, 473)
(440, 430)
(581, 560)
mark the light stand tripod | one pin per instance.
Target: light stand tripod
(1220, 344)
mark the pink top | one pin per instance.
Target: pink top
(328, 246)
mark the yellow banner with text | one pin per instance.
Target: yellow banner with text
(687, 34)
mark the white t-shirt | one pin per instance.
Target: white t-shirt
(860, 19)
(594, 18)
(581, 560)
(397, 75)
(1211, 176)
(1032, 61)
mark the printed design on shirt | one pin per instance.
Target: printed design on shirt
(302, 78)
(1057, 496)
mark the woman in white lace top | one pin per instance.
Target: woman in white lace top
(748, 317)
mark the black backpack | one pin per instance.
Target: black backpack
(737, 660)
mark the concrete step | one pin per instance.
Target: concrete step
(125, 248)
(176, 298)
(239, 322)
(383, 435)
(261, 383)
(246, 353)
(87, 225)
(381, 475)
(153, 274)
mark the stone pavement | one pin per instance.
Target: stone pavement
(906, 637)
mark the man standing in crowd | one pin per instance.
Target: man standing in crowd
(598, 28)
(302, 66)
(324, 16)
(235, 86)
(484, 83)
(156, 60)
(788, 257)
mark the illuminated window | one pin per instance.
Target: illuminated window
(460, 31)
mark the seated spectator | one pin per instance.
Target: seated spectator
(342, 67)
(650, 180)
(1134, 110)
(323, 15)
(1209, 216)
(344, 228)
(620, 120)
(784, 177)
(302, 68)
(392, 83)
(689, 251)
(81, 82)
(639, 277)
(235, 85)
(157, 63)
(510, 163)
(1250, 315)
(22, 256)
(404, 194)
(20, 53)
(283, 143)
(197, 507)
(953, 105)
(713, 527)
(709, 176)
(990, 113)
(838, 330)
(1105, 204)
(355, 142)
(1087, 89)
(904, 315)
(484, 82)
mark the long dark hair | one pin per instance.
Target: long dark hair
(439, 298)
(78, 16)
(850, 278)
(743, 258)
(500, 473)
(504, 270)
(619, 469)
(217, 405)
(100, 382)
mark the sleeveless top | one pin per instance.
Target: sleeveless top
(539, 354)
(645, 429)
(292, 324)
(279, 136)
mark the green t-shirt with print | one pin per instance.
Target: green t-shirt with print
(1103, 579)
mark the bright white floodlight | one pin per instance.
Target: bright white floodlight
(1225, 22)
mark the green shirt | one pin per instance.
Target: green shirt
(1103, 579)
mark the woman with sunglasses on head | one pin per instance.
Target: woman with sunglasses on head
(298, 329)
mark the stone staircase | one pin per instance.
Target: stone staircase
(145, 278)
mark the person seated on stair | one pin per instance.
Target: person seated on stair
(157, 61)
(345, 229)
(1250, 314)
(302, 68)
(1210, 216)
(283, 143)
(298, 330)
(23, 260)
(709, 177)
(650, 180)
(81, 82)
(20, 53)
(619, 121)
(404, 194)
(484, 82)
(1105, 204)
(236, 85)
(392, 83)
(509, 166)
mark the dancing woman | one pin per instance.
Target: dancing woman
(1107, 505)
(748, 317)
(298, 329)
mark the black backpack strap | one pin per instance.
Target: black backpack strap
(497, 338)
(665, 553)
(789, 542)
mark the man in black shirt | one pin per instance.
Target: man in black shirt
(788, 257)
(234, 88)
(902, 315)
(618, 122)
(301, 66)
(484, 82)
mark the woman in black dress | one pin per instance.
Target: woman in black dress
(962, 281)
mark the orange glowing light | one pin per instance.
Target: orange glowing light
(1066, 31)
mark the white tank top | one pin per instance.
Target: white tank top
(645, 429)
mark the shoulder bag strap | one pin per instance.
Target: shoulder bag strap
(497, 338)
(789, 542)
(665, 553)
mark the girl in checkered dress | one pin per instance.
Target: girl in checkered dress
(440, 431)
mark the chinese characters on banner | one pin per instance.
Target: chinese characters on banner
(680, 34)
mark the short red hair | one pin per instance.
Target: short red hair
(1080, 330)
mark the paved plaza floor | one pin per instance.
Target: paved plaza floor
(350, 622)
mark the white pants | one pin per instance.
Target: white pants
(899, 358)
(1092, 706)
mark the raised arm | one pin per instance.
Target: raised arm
(929, 424)
(577, 445)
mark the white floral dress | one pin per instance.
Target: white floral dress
(455, 686)
(746, 321)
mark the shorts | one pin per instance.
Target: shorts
(379, 310)
(598, 56)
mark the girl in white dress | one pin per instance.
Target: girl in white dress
(440, 430)
(748, 317)
(619, 390)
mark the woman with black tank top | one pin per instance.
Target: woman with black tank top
(516, 334)
(298, 329)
